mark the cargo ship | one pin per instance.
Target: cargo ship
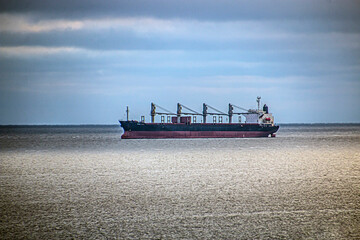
(258, 123)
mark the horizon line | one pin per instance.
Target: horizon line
(108, 124)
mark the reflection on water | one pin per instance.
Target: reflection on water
(84, 182)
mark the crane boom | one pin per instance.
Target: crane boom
(240, 108)
(193, 111)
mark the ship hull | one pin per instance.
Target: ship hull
(136, 130)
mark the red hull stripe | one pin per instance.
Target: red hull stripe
(194, 134)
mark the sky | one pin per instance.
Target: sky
(83, 62)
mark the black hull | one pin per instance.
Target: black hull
(134, 129)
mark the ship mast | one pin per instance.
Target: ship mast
(178, 112)
(204, 112)
(258, 102)
(127, 113)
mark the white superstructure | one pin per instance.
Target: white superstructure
(260, 116)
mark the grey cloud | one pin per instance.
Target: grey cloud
(199, 9)
(127, 40)
(79, 66)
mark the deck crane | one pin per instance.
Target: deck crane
(246, 112)
(153, 112)
(231, 111)
(217, 112)
(192, 112)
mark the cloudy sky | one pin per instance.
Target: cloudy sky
(83, 62)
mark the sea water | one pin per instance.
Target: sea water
(84, 182)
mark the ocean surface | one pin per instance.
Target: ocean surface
(84, 182)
